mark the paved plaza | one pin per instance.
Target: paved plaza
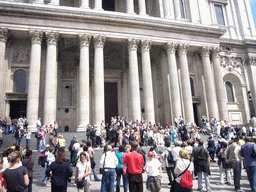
(95, 186)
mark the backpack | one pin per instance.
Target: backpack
(186, 180)
(170, 157)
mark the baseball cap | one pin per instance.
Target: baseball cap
(151, 153)
(47, 145)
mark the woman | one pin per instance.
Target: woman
(181, 166)
(55, 128)
(28, 137)
(16, 177)
(61, 143)
(83, 170)
(41, 136)
(174, 135)
(91, 154)
(61, 173)
(119, 170)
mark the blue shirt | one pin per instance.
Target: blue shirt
(246, 151)
(119, 157)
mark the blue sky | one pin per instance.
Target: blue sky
(253, 6)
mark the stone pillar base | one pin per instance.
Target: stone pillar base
(32, 128)
(81, 128)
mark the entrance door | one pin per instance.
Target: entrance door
(195, 113)
(17, 109)
(111, 106)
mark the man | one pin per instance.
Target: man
(70, 148)
(135, 163)
(250, 162)
(201, 159)
(8, 125)
(232, 156)
(211, 148)
(169, 165)
(18, 136)
(108, 163)
(93, 136)
(38, 124)
(176, 152)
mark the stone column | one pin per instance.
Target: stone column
(167, 10)
(34, 79)
(177, 9)
(130, 6)
(98, 5)
(185, 84)
(84, 83)
(147, 81)
(220, 87)
(84, 4)
(142, 7)
(50, 97)
(3, 40)
(174, 80)
(55, 2)
(134, 83)
(99, 79)
(209, 84)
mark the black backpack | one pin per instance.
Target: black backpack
(170, 157)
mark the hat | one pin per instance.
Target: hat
(151, 153)
(47, 145)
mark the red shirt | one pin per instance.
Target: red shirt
(134, 160)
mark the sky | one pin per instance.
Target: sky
(253, 6)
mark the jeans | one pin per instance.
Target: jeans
(237, 174)
(200, 180)
(251, 173)
(41, 145)
(38, 129)
(108, 180)
(30, 184)
(95, 175)
(7, 128)
(27, 142)
(18, 141)
(170, 173)
(119, 172)
(44, 179)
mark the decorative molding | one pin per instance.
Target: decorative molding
(85, 39)
(99, 41)
(205, 51)
(183, 48)
(36, 36)
(231, 62)
(252, 60)
(133, 44)
(52, 37)
(3, 34)
(146, 44)
(21, 53)
(219, 1)
(216, 52)
(171, 47)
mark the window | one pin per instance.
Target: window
(66, 99)
(192, 86)
(19, 81)
(229, 89)
(219, 14)
(182, 11)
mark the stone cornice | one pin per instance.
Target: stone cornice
(71, 14)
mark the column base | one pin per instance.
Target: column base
(81, 128)
(32, 128)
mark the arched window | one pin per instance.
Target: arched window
(19, 81)
(192, 86)
(182, 9)
(229, 90)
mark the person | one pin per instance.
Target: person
(51, 140)
(119, 170)
(42, 162)
(16, 177)
(55, 128)
(28, 162)
(75, 149)
(61, 173)
(91, 153)
(181, 165)
(232, 156)
(28, 137)
(108, 163)
(61, 143)
(169, 165)
(250, 162)
(38, 124)
(211, 148)
(41, 135)
(1, 176)
(70, 148)
(135, 163)
(18, 136)
(50, 158)
(154, 172)
(201, 159)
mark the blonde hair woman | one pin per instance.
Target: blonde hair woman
(61, 143)
(83, 170)
(16, 176)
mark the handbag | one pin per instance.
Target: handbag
(101, 169)
(186, 180)
(81, 184)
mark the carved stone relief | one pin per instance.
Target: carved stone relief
(231, 62)
(21, 54)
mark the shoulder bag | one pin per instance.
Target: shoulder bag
(81, 184)
(102, 169)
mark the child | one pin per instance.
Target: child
(50, 159)
(154, 172)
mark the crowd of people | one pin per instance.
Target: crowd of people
(178, 147)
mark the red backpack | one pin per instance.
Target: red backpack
(186, 180)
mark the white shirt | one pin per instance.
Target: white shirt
(111, 160)
(152, 167)
(38, 122)
(76, 146)
(175, 153)
(83, 168)
(243, 129)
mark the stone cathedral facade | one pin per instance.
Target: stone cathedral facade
(79, 62)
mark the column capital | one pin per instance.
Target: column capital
(183, 48)
(3, 34)
(216, 51)
(52, 37)
(84, 39)
(99, 40)
(133, 43)
(170, 46)
(146, 44)
(36, 36)
(205, 51)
